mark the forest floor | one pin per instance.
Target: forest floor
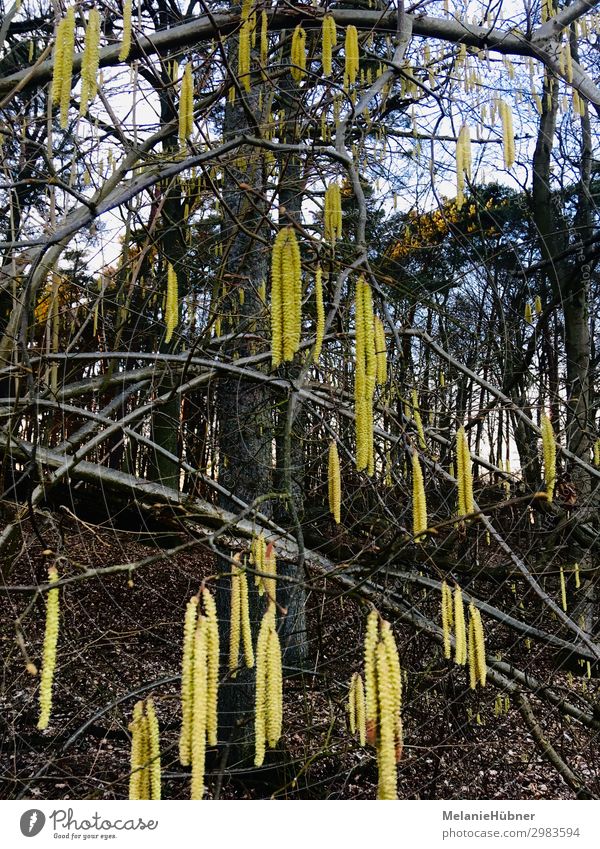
(120, 640)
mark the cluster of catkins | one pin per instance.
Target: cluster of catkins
(374, 705)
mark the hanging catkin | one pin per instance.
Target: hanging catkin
(380, 351)
(332, 217)
(286, 296)
(49, 651)
(418, 421)
(245, 621)
(549, 452)
(298, 54)
(258, 550)
(477, 664)
(189, 630)
(90, 61)
(508, 134)
(466, 504)
(351, 56)
(460, 634)
(269, 681)
(357, 708)
(199, 686)
(126, 37)
(213, 653)
(186, 105)
(419, 500)
(172, 303)
(244, 56)
(463, 163)
(57, 73)
(383, 701)
(199, 709)
(386, 744)
(447, 618)
(264, 43)
(239, 629)
(365, 377)
(329, 39)
(64, 50)
(320, 314)
(137, 761)
(270, 566)
(154, 750)
(235, 631)
(335, 484)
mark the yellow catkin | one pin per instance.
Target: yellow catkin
(528, 313)
(244, 56)
(352, 704)
(320, 313)
(466, 504)
(213, 654)
(154, 747)
(463, 163)
(189, 629)
(460, 635)
(274, 696)
(563, 590)
(446, 606)
(418, 421)
(538, 305)
(186, 104)
(508, 134)
(360, 710)
(145, 757)
(172, 303)
(90, 61)
(351, 56)
(365, 376)
(264, 43)
(471, 651)
(270, 567)
(477, 662)
(298, 54)
(335, 483)
(329, 41)
(596, 456)
(260, 710)
(235, 632)
(549, 452)
(66, 55)
(360, 381)
(49, 651)
(126, 37)
(371, 637)
(286, 296)
(57, 75)
(387, 638)
(137, 759)
(380, 351)
(258, 558)
(386, 743)
(199, 713)
(245, 622)
(419, 500)
(332, 215)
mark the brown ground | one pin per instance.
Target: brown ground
(115, 639)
